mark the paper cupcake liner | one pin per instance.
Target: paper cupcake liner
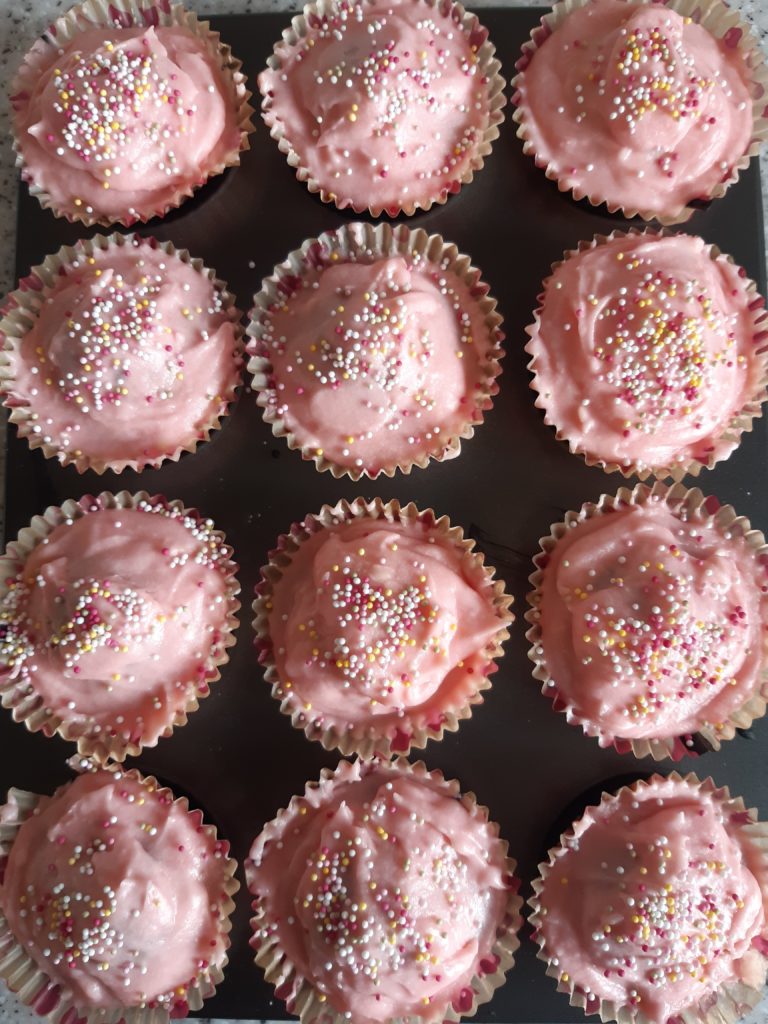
(696, 506)
(34, 988)
(488, 65)
(297, 991)
(22, 308)
(364, 243)
(93, 743)
(127, 14)
(730, 1002)
(413, 729)
(720, 21)
(742, 421)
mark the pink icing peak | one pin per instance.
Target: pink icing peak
(655, 901)
(115, 892)
(376, 363)
(644, 350)
(634, 104)
(382, 102)
(379, 624)
(383, 891)
(652, 623)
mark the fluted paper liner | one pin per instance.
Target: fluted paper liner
(127, 14)
(28, 707)
(692, 504)
(365, 243)
(742, 420)
(731, 1001)
(721, 22)
(20, 312)
(33, 987)
(297, 991)
(489, 67)
(416, 727)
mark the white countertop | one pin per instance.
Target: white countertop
(20, 22)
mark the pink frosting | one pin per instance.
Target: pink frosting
(383, 891)
(120, 121)
(116, 892)
(646, 350)
(133, 355)
(115, 619)
(382, 102)
(377, 363)
(382, 624)
(634, 104)
(656, 902)
(653, 622)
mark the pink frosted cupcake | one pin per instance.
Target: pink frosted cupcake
(119, 113)
(641, 106)
(115, 615)
(384, 106)
(383, 894)
(649, 353)
(375, 349)
(114, 900)
(650, 621)
(119, 352)
(378, 626)
(654, 907)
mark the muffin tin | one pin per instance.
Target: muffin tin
(238, 758)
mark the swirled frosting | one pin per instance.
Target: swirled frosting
(116, 892)
(132, 355)
(656, 902)
(383, 102)
(116, 618)
(653, 621)
(383, 890)
(380, 624)
(636, 105)
(121, 120)
(377, 363)
(644, 351)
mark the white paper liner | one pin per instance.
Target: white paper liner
(731, 1001)
(126, 14)
(34, 988)
(364, 243)
(29, 707)
(22, 308)
(415, 729)
(742, 421)
(488, 65)
(298, 993)
(720, 21)
(693, 504)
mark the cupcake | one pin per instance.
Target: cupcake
(650, 621)
(378, 626)
(120, 113)
(115, 615)
(653, 907)
(374, 349)
(384, 106)
(382, 895)
(114, 901)
(649, 354)
(649, 108)
(119, 352)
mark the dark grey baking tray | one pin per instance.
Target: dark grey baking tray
(239, 759)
